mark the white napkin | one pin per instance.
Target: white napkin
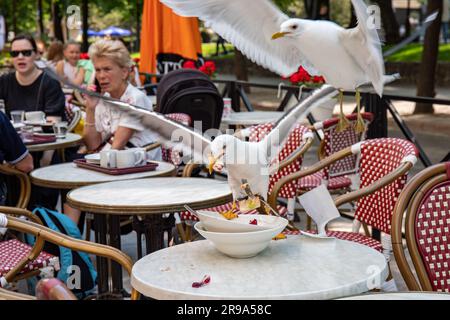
(319, 205)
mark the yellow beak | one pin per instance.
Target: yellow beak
(279, 35)
(212, 162)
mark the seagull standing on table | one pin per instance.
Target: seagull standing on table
(346, 58)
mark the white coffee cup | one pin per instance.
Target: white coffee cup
(131, 158)
(108, 158)
(35, 116)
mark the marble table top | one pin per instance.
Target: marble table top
(70, 140)
(413, 295)
(252, 118)
(295, 268)
(150, 196)
(69, 176)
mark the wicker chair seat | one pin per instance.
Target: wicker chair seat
(13, 251)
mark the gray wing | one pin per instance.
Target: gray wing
(172, 134)
(249, 26)
(275, 140)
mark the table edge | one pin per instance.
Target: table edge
(136, 284)
(73, 185)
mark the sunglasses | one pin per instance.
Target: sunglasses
(25, 53)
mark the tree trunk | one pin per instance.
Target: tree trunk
(240, 67)
(40, 19)
(138, 25)
(407, 23)
(14, 17)
(85, 13)
(56, 18)
(389, 20)
(312, 8)
(427, 71)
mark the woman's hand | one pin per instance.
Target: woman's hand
(91, 102)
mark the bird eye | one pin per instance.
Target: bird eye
(294, 27)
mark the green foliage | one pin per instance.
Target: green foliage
(413, 53)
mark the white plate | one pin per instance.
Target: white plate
(215, 222)
(315, 236)
(17, 126)
(93, 158)
(38, 123)
(41, 134)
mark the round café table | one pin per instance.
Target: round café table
(407, 295)
(68, 176)
(295, 268)
(71, 140)
(148, 198)
(252, 118)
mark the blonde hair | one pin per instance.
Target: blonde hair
(111, 49)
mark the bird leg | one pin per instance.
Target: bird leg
(343, 123)
(360, 125)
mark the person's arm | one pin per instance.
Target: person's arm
(121, 137)
(79, 78)
(60, 68)
(26, 164)
(11, 146)
(54, 99)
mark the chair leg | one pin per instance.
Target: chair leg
(308, 223)
(88, 229)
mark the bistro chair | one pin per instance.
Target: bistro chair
(341, 176)
(43, 234)
(424, 209)
(19, 260)
(24, 184)
(384, 164)
(290, 160)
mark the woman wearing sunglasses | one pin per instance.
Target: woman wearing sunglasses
(28, 88)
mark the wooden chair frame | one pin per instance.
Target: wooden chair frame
(43, 234)
(409, 202)
(25, 184)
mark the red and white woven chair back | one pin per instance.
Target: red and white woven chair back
(380, 157)
(433, 235)
(294, 141)
(336, 141)
(167, 154)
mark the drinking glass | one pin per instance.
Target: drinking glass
(17, 116)
(60, 129)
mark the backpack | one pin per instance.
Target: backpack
(191, 92)
(59, 222)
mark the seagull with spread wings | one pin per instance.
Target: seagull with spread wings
(252, 161)
(346, 58)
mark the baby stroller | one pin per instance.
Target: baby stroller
(191, 92)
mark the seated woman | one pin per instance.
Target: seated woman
(105, 126)
(69, 67)
(28, 88)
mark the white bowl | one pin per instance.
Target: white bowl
(215, 222)
(240, 245)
